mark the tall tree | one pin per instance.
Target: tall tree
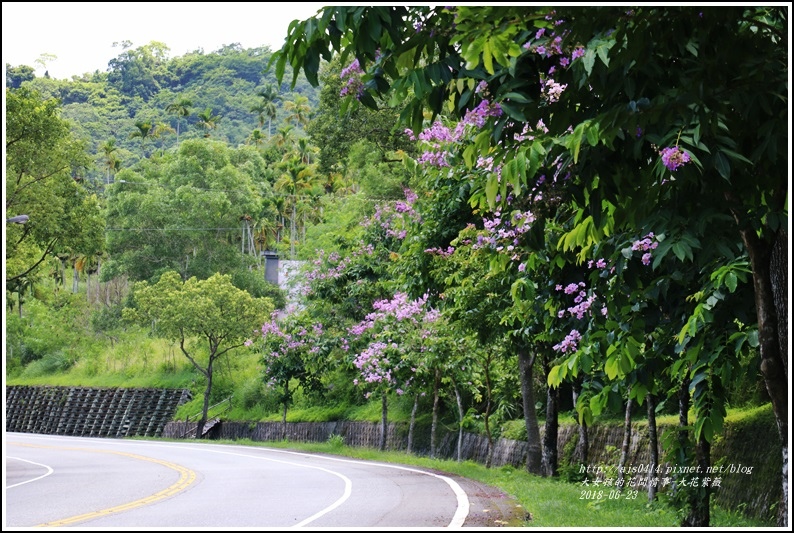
(207, 121)
(42, 181)
(109, 151)
(143, 130)
(16, 76)
(298, 111)
(266, 108)
(180, 213)
(181, 109)
(296, 179)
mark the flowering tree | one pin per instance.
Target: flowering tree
(649, 110)
(291, 352)
(391, 338)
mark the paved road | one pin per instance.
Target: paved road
(93, 482)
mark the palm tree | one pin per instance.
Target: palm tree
(269, 96)
(298, 110)
(296, 178)
(108, 150)
(259, 109)
(207, 121)
(256, 138)
(180, 108)
(159, 129)
(305, 150)
(144, 130)
(283, 136)
(265, 231)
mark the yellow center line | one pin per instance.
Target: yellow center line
(186, 478)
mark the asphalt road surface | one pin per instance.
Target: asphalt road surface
(56, 481)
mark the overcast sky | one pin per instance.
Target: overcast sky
(81, 34)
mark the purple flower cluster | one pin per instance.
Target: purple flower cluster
(373, 363)
(476, 117)
(353, 86)
(570, 343)
(394, 219)
(283, 346)
(673, 157)
(333, 266)
(551, 90)
(646, 244)
(548, 44)
(438, 135)
(583, 301)
(502, 234)
(440, 251)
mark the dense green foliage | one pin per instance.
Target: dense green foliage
(513, 213)
(144, 85)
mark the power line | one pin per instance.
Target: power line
(172, 229)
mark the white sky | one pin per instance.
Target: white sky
(81, 34)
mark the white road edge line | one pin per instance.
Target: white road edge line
(49, 471)
(461, 512)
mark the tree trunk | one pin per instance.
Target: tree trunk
(653, 443)
(461, 414)
(583, 445)
(75, 280)
(525, 371)
(551, 430)
(434, 424)
(779, 277)
(62, 273)
(624, 449)
(205, 409)
(412, 424)
(487, 414)
(292, 232)
(384, 404)
(700, 497)
(773, 368)
(284, 411)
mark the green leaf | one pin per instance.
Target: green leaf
(681, 250)
(491, 189)
(731, 281)
(557, 375)
(626, 364)
(592, 134)
(487, 57)
(575, 141)
(752, 338)
(516, 97)
(723, 165)
(736, 156)
(588, 60)
(603, 52)
(695, 380)
(639, 391)
(692, 48)
(513, 112)
(611, 367)
(470, 156)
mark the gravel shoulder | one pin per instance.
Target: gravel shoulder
(490, 507)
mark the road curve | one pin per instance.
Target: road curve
(93, 482)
